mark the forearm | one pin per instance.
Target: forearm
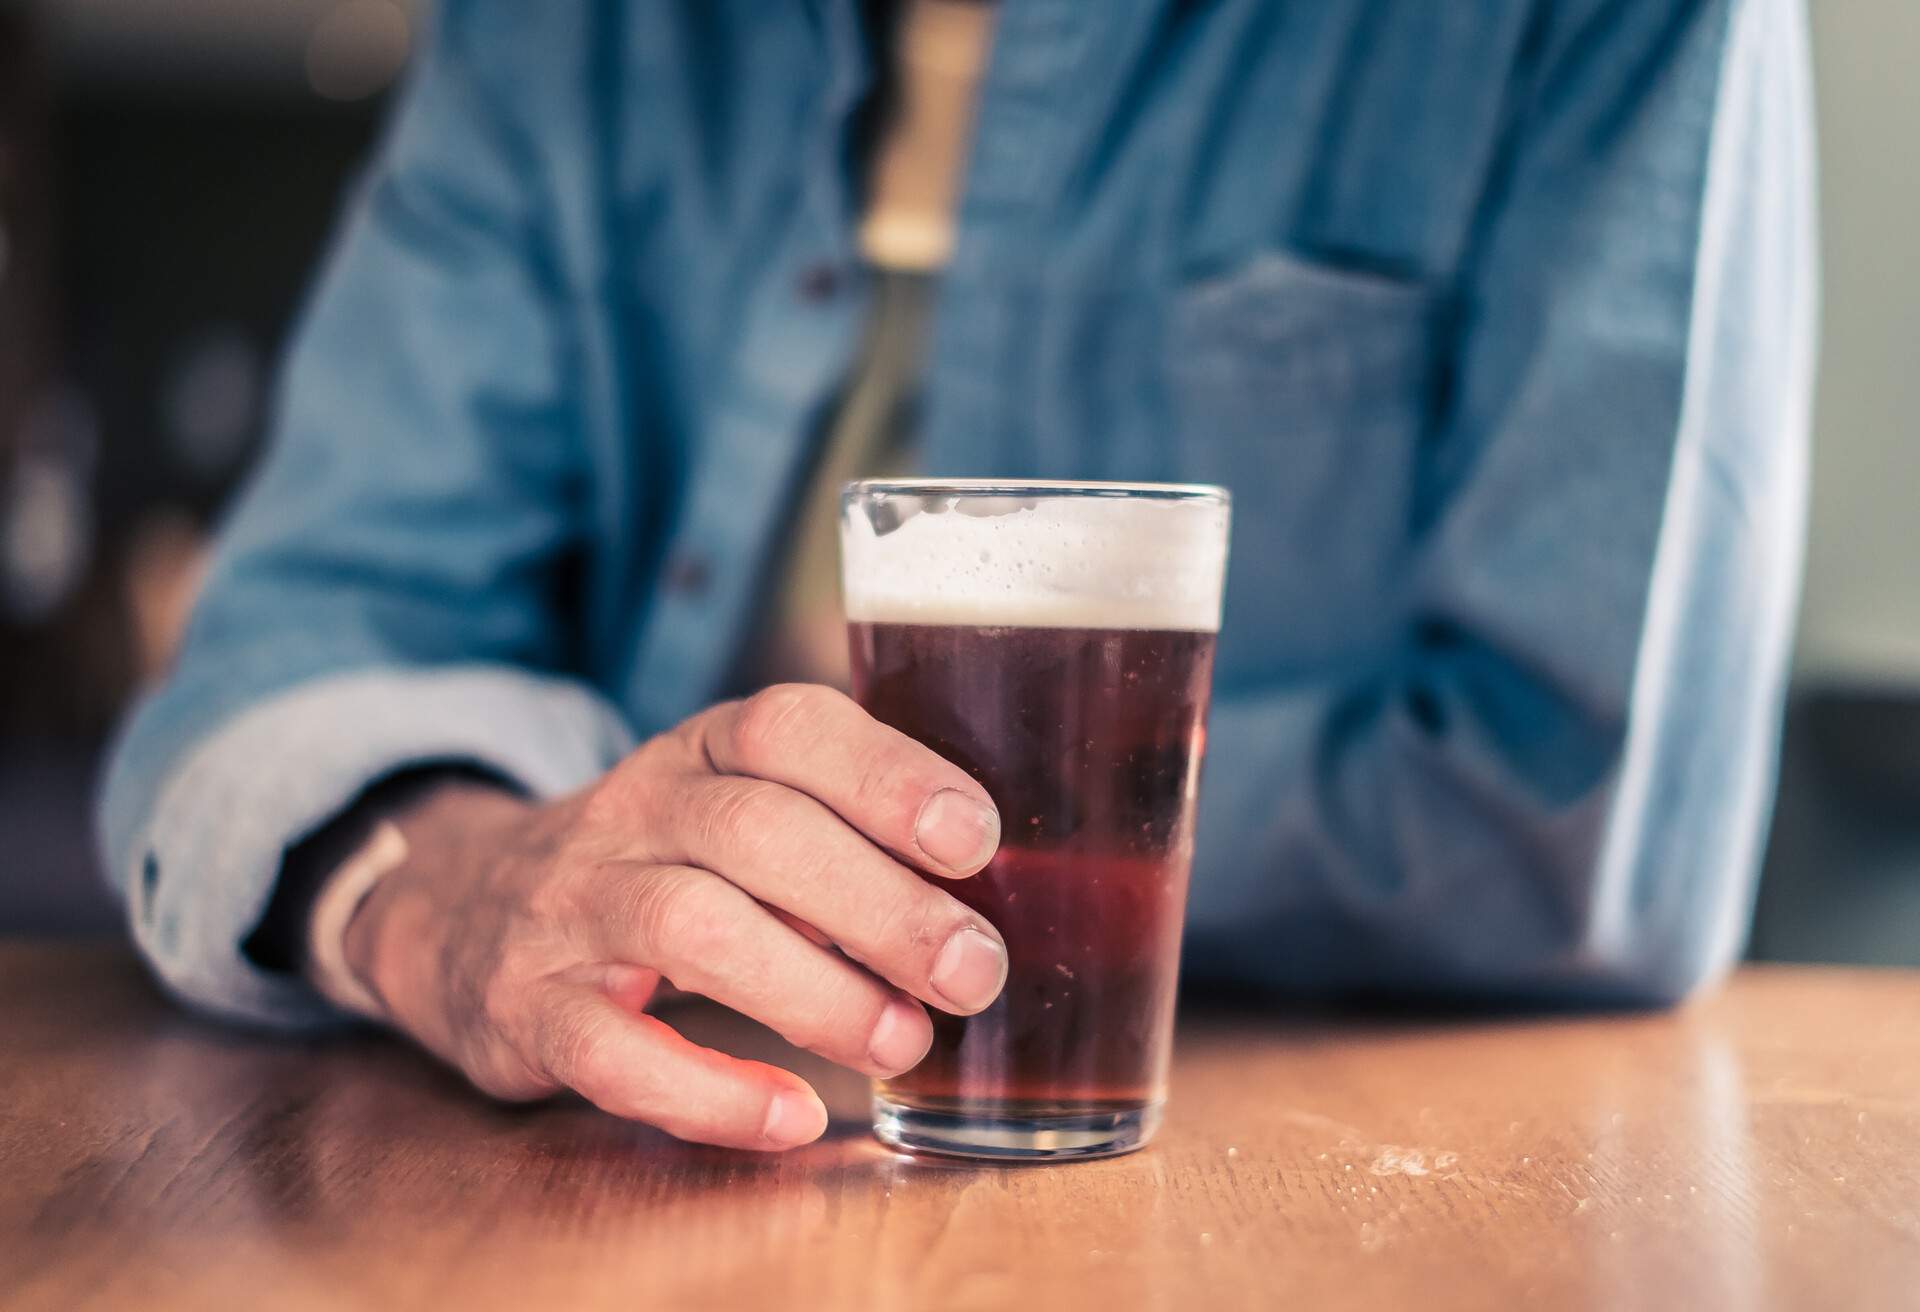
(1395, 836)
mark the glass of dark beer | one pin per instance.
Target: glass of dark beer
(1056, 641)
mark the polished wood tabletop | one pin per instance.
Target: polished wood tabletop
(1758, 1149)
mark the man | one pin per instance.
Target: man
(1494, 317)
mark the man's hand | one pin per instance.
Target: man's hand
(762, 854)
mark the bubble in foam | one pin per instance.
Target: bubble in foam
(1043, 561)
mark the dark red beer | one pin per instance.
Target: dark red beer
(1089, 742)
(1056, 641)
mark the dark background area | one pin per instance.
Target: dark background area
(163, 199)
(168, 175)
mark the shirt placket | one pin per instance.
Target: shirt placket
(978, 371)
(799, 333)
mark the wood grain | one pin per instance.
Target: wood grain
(1760, 1149)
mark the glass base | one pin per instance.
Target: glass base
(1009, 1134)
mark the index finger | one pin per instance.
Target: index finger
(900, 793)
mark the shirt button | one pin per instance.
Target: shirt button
(818, 283)
(149, 882)
(688, 575)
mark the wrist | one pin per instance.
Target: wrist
(445, 833)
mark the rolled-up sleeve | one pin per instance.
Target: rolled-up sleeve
(1557, 784)
(392, 588)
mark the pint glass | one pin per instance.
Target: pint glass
(1056, 641)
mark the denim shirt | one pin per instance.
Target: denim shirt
(1494, 316)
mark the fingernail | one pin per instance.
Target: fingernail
(899, 1041)
(957, 831)
(969, 971)
(794, 1118)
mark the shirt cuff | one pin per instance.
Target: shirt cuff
(204, 865)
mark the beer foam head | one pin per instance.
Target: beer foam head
(1024, 557)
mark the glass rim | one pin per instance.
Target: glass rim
(1204, 493)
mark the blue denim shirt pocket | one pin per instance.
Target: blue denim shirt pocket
(1306, 389)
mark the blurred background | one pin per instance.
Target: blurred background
(170, 168)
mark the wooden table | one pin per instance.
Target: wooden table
(1759, 1149)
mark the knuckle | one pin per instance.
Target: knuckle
(607, 804)
(924, 922)
(603, 1076)
(684, 913)
(844, 1020)
(557, 878)
(830, 1011)
(617, 802)
(555, 899)
(892, 790)
(581, 1050)
(898, 935)
(740, 814)
(594, 1063)
(776, 720)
